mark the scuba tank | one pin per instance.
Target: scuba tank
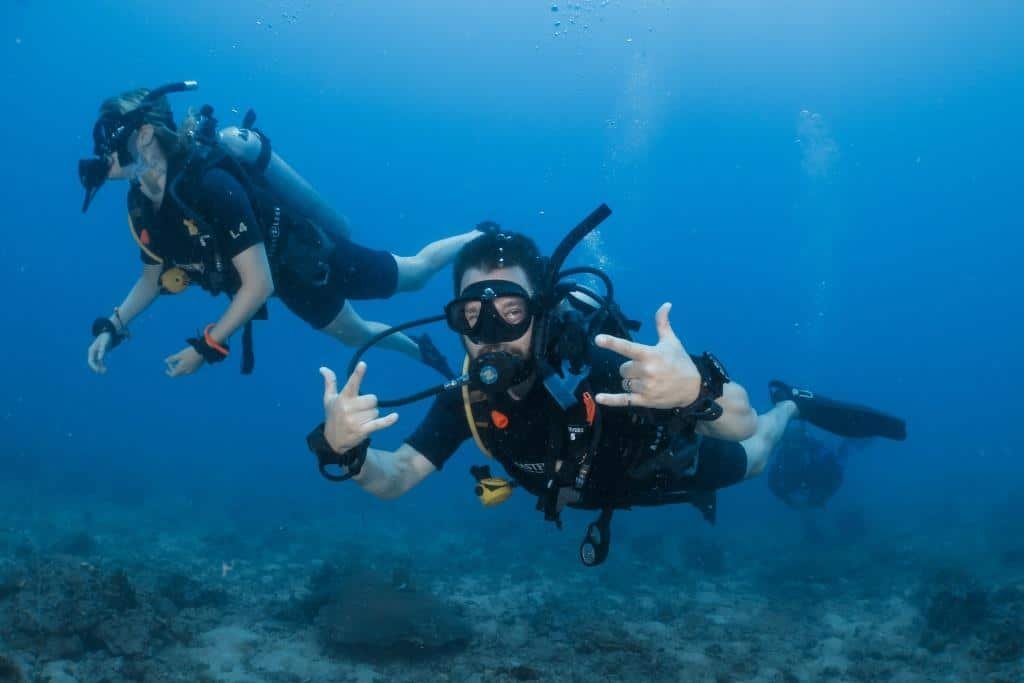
(251, 148)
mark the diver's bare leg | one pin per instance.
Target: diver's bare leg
(414, 271)
(770, 428)
(351, 330)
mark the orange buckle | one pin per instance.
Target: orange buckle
(591, 407)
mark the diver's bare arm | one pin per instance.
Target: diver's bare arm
(257, 286)
(143, 293)
(738, 420)
(389, 474)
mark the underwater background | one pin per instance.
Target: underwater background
(829, 193)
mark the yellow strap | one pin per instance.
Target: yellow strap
(138, 241)
(468, 407)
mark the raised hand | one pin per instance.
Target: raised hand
(659, 376)
(348, 417)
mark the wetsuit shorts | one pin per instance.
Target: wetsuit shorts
(720, 464)
(354, 272)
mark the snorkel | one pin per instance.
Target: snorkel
(495, 371)
(110, 136)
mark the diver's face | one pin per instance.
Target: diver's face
(519, 347)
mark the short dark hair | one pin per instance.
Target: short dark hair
(494, 250)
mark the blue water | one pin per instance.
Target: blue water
(828, 192)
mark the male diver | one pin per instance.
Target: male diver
(220, 209)
(555, 391)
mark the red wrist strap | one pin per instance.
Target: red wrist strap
(213, 343)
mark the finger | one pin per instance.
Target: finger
(351, 388)
(620, 400)
(662, 325)
(631, 369)
(330, 383)
(623, 347)
(632, 386)
(364, 402)
(364, 416)
(380, 423)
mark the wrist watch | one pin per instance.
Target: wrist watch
(352, 459)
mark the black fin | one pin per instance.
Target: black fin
(842, 419)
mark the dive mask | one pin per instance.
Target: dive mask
(491, 312)
(110, 136)
(499, 311)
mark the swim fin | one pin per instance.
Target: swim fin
(843, 419)
(432, 356)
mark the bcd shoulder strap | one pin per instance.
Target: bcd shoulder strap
(138, 219)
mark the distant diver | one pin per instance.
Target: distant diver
(804, 472)
(220, 209)
(545, 393)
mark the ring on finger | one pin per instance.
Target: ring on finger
(627, 385)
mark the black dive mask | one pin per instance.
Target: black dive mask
(498, 311)
(491, 312)
(110, 136)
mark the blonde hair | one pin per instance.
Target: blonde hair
(173, 140)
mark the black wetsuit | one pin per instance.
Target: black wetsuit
(229, 225)
(521, 447)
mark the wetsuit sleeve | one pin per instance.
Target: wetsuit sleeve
(228, 208)
(443, 429)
